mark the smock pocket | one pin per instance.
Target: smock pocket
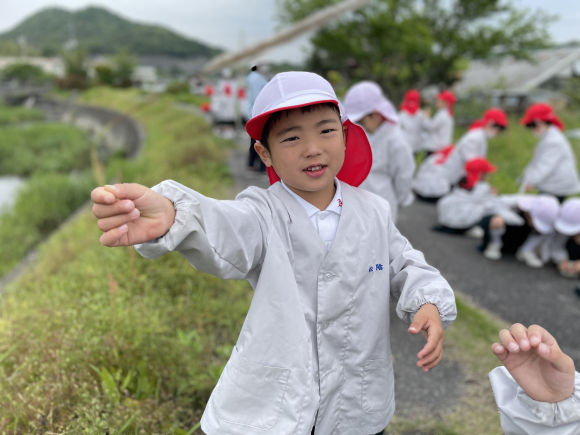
(378, 385)
(250, 394)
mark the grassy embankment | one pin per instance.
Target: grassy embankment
(55, 160)
(95, 340)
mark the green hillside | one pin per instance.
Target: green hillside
(102, 32)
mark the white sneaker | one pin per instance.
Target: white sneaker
(530, 258)
(493, 251)
(475, 232)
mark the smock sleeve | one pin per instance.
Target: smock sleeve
(414, 283)
(222, 238)
(521, 415)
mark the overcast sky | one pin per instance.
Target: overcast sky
(233, 23)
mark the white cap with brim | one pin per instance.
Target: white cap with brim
(543, 210)
(365, 98)
(568, 222)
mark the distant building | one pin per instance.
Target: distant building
(514, 83)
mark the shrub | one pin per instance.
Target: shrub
(12, 115)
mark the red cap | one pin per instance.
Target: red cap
(209, 90)
(205, 107)
(411, 102)
(292, 90)
(541, 112)
(494, 114)
(449, 97)
(475, 168)
(241, 93)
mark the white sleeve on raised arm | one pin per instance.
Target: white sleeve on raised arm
(414, 283)
(521, 415)
(222, 238)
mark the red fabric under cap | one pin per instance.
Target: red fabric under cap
(292, 90)
(494, 114)
(411, 102)
(449, 97)
(475, 168)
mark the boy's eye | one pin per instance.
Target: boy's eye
(290, 139)
(328, 130)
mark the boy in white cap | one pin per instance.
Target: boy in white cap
(538, 212)
(323, 258)
(391, 175)
(565, 243)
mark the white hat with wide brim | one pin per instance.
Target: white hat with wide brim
(543, 210)
(365, 98)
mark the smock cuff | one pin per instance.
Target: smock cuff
(554, 414)
(182, 202)
(446, 312)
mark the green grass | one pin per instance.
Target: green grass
(96, 340)
(43, 147)
(12, 115)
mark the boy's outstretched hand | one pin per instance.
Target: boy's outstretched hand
(534, 359)
(130, 214)
(428, 321)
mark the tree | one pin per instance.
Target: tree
(403, 44)
(24, 73)
(75, 69)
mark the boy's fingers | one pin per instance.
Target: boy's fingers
(109, 223)
(127, 191)
(508, 340)
(428, 367)
(433, 341)
(113, 237)
(520, 335)
(101, 196)
(561, 362)
(119, 207)
(418, 323)
(499, 351)
(430, 357)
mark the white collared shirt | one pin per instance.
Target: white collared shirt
(325, 222)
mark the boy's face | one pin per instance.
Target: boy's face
(371, 122)
(306, 149)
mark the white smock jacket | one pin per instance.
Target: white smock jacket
(391, 175)
(314, 349)
(461, 209)
(522, 415)
(471, 145)
(412, 127)
(431, 180)
(440, 130)
(553, 168)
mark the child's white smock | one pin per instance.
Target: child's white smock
(461, 209)
(471, 145)
(431, 179)
(439, 129)
(391, 175)
(553, 168)
(412, 127)
(314, 348)
(522, 415)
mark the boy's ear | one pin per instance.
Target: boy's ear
(344, 133)
(263, 153)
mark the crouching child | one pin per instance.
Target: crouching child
(323, 258)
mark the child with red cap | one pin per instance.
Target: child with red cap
(474, 143)
(411, 119)
(323, 258)
(460, 211)
(440, 127)
(553, 168)
(391, 175)
(527, 238)
(431, 181)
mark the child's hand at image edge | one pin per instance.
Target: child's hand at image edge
(428, 321)
(534, 359)
(130, 214)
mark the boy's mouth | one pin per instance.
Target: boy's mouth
(315, 171)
